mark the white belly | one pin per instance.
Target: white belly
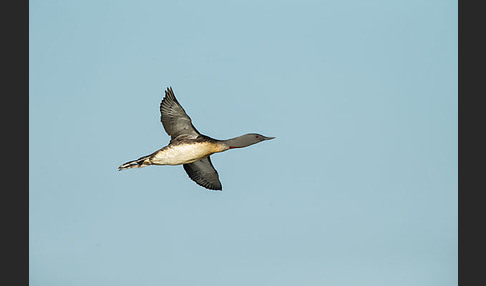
(184, 154)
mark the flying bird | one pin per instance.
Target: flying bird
(188, 147)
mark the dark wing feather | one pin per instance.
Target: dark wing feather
(203, 173)
(174, 119)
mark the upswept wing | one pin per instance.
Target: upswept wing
(175, 120)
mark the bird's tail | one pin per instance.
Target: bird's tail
(139, 163)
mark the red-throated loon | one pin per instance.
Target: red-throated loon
(189, 147)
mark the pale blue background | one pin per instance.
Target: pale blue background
(359, 188)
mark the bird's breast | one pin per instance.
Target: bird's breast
(185, 153)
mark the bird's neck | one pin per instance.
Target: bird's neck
(239, 142)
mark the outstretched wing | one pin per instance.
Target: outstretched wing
(203, 173)
(174, 119)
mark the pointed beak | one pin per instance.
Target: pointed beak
(269, 138)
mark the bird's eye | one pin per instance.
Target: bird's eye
(256, 136)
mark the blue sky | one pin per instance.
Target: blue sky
(358, 188)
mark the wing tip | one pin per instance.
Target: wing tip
(208, 185)
(216, 189)
(169, 91)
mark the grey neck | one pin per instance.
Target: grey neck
(245, 140)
